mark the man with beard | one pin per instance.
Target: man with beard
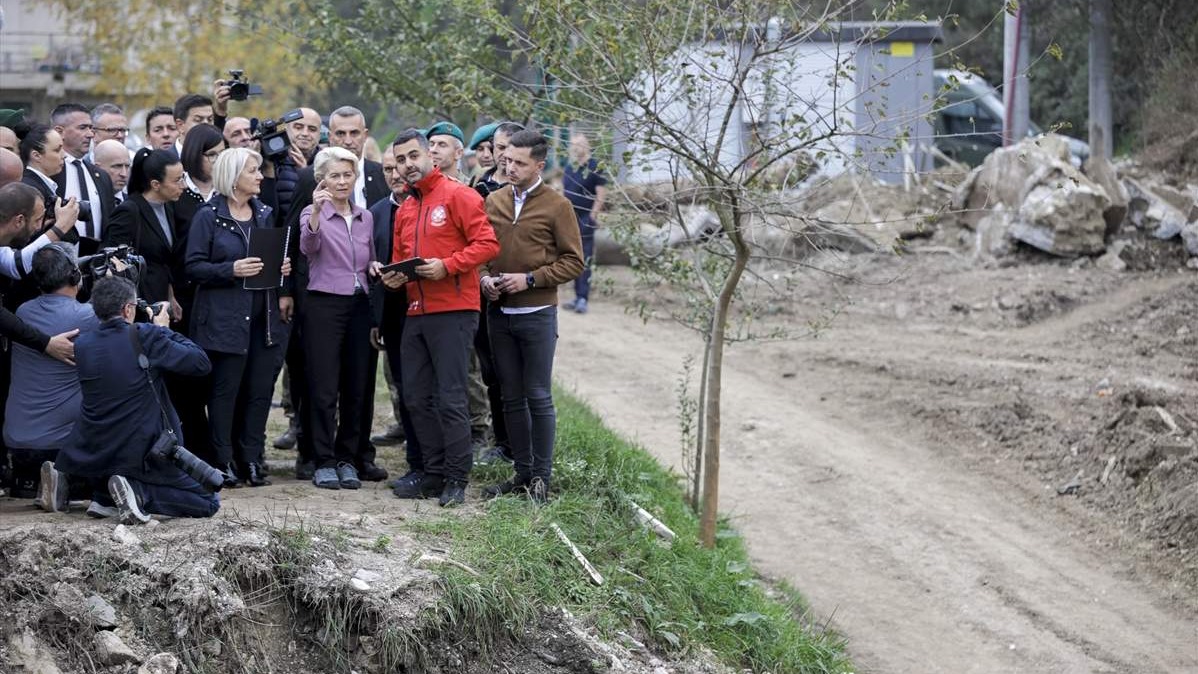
(444, 224)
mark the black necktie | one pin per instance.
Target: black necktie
(84, 195)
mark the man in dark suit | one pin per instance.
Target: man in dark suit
(389, 310)
(126, 409)
(80, 178)
(347, 129)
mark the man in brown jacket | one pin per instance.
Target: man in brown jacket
(539, 249)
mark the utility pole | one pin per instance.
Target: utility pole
(1102, 141)
(1017, 38)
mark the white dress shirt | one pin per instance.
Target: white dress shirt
(87, 193)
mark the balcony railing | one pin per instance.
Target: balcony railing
(28, 53)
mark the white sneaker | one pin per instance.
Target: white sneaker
(100, 511)
(126, 501)
(52, 490)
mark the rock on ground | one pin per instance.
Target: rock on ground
(110, 650)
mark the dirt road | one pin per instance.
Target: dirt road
(928, 557)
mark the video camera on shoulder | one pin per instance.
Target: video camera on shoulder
(272, 134)
(240, 88)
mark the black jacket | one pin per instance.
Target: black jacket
(376, 189)
(103, 185)
(135, 224)
(120, 419)
(387, 307)
(220, 319)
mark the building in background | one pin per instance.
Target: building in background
(41, 62)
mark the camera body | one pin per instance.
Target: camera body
(240, 88)
(85, 211)
(272, 134)
(167, 449)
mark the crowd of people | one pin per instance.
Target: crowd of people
(153, 298)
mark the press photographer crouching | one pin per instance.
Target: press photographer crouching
(44, 400)
(126, 437)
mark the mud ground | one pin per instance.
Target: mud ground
(905, 468)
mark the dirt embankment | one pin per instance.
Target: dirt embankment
(977, 468)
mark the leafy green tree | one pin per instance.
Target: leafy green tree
(153, 52)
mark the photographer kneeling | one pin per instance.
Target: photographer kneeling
(127, 429)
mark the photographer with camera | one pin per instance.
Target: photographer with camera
(126, 437)
(244, 330)
(44, 398)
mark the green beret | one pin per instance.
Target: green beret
(483, 133)
(445, 129)
(11, 118)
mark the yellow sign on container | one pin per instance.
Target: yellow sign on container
(902, 49)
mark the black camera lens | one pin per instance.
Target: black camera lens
(85, 211)
(239, 91)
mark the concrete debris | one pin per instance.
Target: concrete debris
(102, 614)
(110, 650)
(1112, 259)
(1149, 210)
(368, 576)
(121, 534)
(1072, 486)
(162, 663)
(359, 584)
(1101, 171)
(1055, 207)
(30, 654)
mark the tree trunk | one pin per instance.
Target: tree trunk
(697, 474)
(1102, 141)
(713, 380)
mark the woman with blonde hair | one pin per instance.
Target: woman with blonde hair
(337, 236)
(244, 331)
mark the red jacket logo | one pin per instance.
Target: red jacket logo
(438, 216)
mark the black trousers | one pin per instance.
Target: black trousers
(486, 361)
(338, 356)
(436, 354)
(297, 374)
(242, 386)
(394, 316)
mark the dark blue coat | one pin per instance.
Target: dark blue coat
(120, 419)
(220, 315)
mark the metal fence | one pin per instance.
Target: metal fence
(26, 53)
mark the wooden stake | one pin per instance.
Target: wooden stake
(595, 577)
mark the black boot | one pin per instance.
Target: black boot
(255, 475)
(229, 473)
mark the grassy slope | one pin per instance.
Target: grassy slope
(677, 597)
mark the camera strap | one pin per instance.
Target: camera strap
(144, 364)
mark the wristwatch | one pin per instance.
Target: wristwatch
(528, 279)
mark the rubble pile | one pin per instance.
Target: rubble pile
(1031, 194)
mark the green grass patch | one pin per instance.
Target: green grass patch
(676, 597)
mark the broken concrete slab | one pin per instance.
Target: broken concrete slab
(1054, 206)
(1148, 210)
(1101, 171)
(111, 650)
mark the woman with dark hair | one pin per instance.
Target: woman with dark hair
(202, 145)
(243, 330)
(146, 222)
(43, 156)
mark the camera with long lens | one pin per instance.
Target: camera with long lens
(104, 263)
(167, 448)
(240, 88)
(272, 134)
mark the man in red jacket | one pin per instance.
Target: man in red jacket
(444, 224)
